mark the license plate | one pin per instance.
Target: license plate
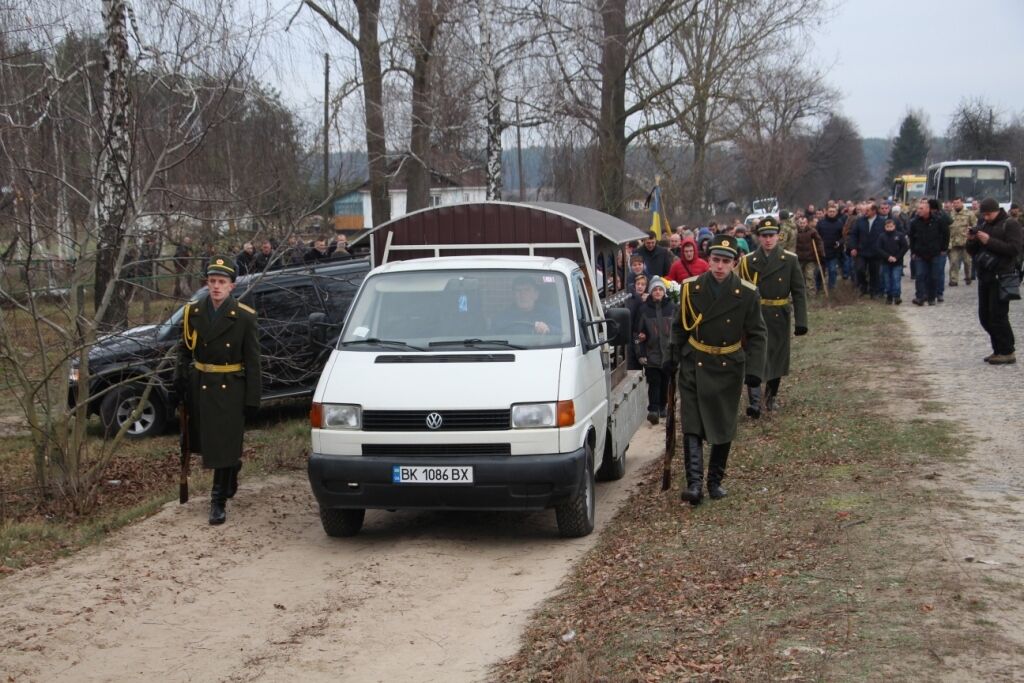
(431, 474)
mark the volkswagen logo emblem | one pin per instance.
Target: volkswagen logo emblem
(434, 420)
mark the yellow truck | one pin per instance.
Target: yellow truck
(908, 188)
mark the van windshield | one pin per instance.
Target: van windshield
(455, 309)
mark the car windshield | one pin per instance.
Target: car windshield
(172, 326)
(460, 309)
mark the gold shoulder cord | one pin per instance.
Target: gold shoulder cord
(745, 272)
(190, 335)
(687, 309)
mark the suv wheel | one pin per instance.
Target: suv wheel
(341, 523)
(575, 516)
(117, 408)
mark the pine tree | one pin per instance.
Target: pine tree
(909, 149)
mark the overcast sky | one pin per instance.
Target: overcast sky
(885, 56)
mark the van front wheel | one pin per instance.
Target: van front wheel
(341, 523)
(575, 516)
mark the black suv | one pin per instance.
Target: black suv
(300, 311)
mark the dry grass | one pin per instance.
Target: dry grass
(801, 573)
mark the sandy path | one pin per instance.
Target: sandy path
(415, 597)
(986, 523)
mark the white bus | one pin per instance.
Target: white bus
(974, 179)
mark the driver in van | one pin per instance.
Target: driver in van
(527, 313)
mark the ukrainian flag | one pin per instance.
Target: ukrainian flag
(658, 221)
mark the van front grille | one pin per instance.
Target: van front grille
(451, 420)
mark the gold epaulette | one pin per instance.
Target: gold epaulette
(791, 253)
(748, 285)
(247, 309)
(692, 278)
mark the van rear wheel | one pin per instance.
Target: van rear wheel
(575, 516)
(341, 523)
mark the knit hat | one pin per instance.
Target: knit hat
(656, 282)
(988, 205)
(222, 265)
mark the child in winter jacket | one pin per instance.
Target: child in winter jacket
(892, 247)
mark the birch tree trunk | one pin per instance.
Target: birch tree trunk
(492, 98)
(112, 196)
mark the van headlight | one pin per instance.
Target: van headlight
(538, 415)
(533, 415)
(339, 416)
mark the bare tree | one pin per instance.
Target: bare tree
(785, 99)
(429, 15)
(977, 131)
(367, 45)
(614, 53)
(82, 185)
(720, 48)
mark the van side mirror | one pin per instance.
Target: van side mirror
(619, 326)
(1013, 175)
(317, 329)
(617, 320)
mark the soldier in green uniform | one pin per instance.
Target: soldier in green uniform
(717, 311)
(963, 219)
(218, 371)
(776, 273)
(786, 229)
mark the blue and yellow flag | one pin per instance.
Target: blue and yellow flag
(658, 223)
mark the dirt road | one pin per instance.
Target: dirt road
(415, 597)
(976, 526)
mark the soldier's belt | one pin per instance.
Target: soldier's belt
(774, 302)
(714, 350)
(213, 367)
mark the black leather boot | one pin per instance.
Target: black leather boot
(694, 457)
(754, 402)
(770, 392)
(233, 480)
(218, 495)
(716, 470)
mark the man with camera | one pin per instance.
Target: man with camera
(995, 244)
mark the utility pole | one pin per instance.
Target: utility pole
(519, 155)
(327, 138)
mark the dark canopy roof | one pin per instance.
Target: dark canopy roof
(611, 228)
(489, 224)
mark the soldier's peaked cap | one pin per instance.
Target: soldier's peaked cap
(768, 226)
(724, 245)
(222, 265)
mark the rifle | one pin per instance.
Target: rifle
(185, 446)
(670, 434)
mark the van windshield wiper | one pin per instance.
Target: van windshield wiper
(381, 342)
(476, 342)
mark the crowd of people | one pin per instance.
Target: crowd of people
(865, 244)
(188, 262)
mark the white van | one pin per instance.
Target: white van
(477, 383)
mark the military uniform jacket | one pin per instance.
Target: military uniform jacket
(218, 399)
(961, 223)
(710, 384)
(778, 277)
